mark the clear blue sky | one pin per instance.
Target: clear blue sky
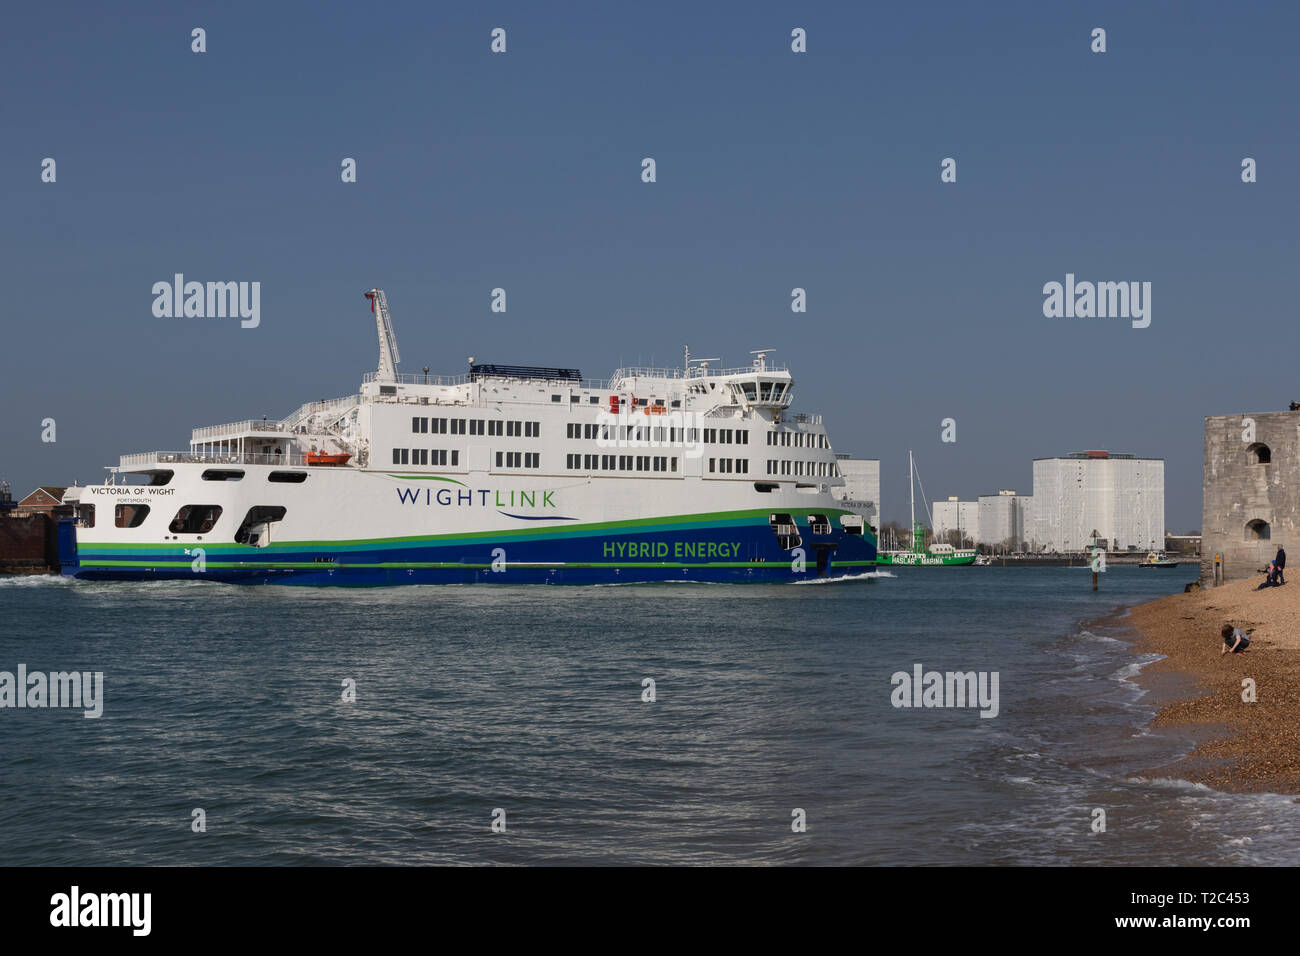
(775, 170)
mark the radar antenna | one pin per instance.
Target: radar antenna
(703, 365)
(760, 358)
(388, 354)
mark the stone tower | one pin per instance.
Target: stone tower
(1251, 491)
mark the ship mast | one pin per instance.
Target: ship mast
(388, 355)
(911, 494)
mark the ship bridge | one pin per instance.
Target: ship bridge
(760, 385)
(763, 384)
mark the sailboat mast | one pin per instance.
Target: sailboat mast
(911, 486)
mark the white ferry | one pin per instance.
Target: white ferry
(506, 474)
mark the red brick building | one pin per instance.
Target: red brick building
(42, 501)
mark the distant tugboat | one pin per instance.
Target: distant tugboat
(937, 554)
(1158, 559)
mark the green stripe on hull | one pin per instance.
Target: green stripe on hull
(331, 565)
(720, 519)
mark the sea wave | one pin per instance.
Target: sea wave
(864, 576)
(35, 581)
(1098, 638)
(1172, 783)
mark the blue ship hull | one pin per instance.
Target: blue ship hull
(722, 552)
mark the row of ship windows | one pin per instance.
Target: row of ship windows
(818, 469)
(516, 459)
(722, 436)
(729, 466)
(441, 456)
(724, 466)
(798, 439)
(712, 436)
(475, 426)
(519, 459)
(426, 456)
(621, 462)
(517, 429)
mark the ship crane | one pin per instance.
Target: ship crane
(388, 354)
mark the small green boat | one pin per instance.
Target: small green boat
(937, 555)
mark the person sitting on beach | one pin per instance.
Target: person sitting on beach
(1235, 640)
(1271, 574)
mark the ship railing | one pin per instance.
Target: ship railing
(237, 428)
(267, 427)
(150, 458)
(640, 371)
(306, 411)
(637, 371)
(418, 378)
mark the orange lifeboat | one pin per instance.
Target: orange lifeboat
(321, 458)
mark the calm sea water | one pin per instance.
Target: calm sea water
(528, 699)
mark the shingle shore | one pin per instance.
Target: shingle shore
(1253, 746)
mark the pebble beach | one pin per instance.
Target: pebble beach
(1244, 746)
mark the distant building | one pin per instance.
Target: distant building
(43, 500)
(1250, 491)
(1004, 519)
(956, 515)
(861, 485)
(1119, 499)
